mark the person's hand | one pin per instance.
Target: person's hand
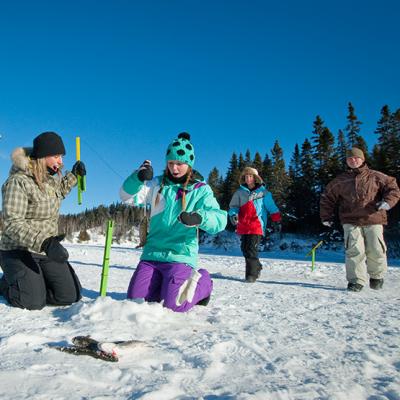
(382, 205)
(79, 168)
(277, 226)
(54, 250)
(190, 219)
(328, 224)
(145, 171)
(234, 219)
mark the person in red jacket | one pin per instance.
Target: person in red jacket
(249, 209)
(363, 197)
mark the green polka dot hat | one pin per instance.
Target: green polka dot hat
(181, 150)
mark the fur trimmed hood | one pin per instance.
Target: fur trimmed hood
(20, 159)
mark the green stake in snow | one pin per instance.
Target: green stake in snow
(312, 253)
(106, 259)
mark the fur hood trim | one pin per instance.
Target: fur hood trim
(20, 158)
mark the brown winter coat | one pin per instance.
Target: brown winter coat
(356, 193)
(29, 214)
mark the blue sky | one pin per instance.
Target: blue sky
(128, 76)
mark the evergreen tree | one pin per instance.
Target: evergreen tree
(376, 157)
(395, 171)
(241, 163)
(267, 171)
(318, 127)
(386, 155)
(214, 180)
(247, 158)
(231, 182)
(308, 164)
(279, 180)
(302, 199)
(384, 126)
(388, 130)
(341, 150)
(324, 152)
(330, 164)
(258, 163)
(352, 127)
(308, 206)
(295, 192)
(394, 214)
(295, 164)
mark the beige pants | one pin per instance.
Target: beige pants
(364, 246)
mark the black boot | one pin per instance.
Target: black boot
(252, 269)
(354, 287)
(375, 284)
(251, 278)
(259, 269)
(204, 302)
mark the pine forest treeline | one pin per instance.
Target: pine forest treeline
(321, 157)
(125, 218)
(296, 187)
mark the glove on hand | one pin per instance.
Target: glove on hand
(145, 171)
(79, 169)
(190, 219)
(54, 250)
(234, 219)
(329, 224)
(382, 205)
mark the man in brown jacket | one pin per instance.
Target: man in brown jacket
(363, 197)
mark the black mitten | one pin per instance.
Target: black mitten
(54, 250)
(190, 219)
(79, 169)
(145, 172)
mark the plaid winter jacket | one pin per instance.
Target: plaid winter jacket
(29, 214)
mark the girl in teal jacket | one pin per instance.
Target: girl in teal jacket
(180, 203)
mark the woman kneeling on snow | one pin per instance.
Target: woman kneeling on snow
(35, 264)
(180, 203)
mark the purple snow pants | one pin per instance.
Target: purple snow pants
(162, 281)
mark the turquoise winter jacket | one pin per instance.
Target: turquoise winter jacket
(168, 239)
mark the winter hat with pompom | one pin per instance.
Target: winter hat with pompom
(181, 149)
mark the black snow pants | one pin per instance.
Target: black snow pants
(249, 247)
(31, 280)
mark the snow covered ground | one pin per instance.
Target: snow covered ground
(291, 335)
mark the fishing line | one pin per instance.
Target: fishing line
(106, 163)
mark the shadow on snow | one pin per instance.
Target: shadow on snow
(284, 283)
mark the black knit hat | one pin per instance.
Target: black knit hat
(47, 144)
